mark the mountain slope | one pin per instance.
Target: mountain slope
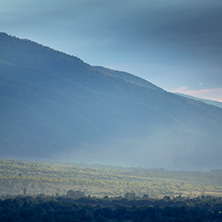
(128, 77)
(55, 106)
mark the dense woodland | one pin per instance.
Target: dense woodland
(62, 209)
(42, 192)
(34, 178)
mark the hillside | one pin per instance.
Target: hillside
(55, 106)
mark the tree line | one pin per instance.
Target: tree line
(52, 178)
(43, 208)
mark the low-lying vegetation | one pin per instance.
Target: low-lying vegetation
(34, 178)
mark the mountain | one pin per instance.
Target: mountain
(56, 107)
(210, 102)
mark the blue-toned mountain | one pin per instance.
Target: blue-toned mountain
(55, 106)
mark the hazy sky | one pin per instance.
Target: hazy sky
(176, 44)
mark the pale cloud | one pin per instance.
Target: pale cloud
(212, 94)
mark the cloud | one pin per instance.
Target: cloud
(212, 94)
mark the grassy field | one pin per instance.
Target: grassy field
(57, 178)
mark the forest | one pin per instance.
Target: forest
(34, 178)
(59, 192)
(63, 209)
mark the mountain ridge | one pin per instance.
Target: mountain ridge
(56, 106)
(208, 101)
(128, 76)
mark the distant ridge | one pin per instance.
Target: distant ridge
(210, 102)
(56, 107)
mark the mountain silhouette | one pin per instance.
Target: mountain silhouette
(56, 107)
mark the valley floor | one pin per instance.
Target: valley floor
(34, 178)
